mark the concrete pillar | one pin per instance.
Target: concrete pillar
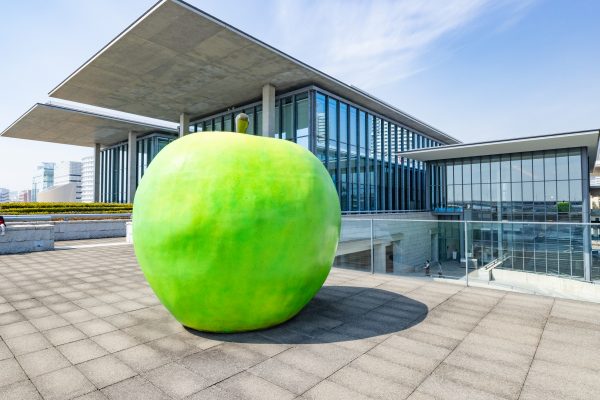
(184, 124)
(268, 110)
(97, 172)
(131, 166)
(379, 261)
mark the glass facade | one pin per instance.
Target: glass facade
(114, 161)
(360, 149)
(538, 187)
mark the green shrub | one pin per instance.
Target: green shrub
(563, 206)
(64, 208)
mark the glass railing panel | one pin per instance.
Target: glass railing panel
(354, 247)
(408, 247)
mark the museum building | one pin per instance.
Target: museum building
(187, 72)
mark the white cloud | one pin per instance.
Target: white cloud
(372, 43)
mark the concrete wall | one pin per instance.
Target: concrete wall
(95, 229)
(27, 238)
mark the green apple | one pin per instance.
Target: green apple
(235, 232)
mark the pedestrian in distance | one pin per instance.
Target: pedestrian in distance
(2, 226)
(427, 268)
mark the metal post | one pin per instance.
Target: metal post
(97, 149)
(132, 166)
(372, 250)
(466, 258)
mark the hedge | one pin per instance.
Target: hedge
(63, 208)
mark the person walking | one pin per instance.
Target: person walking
(427, 268)
(2, 226)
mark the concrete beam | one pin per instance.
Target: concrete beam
(268, 110)
(131, 166)
(184, 124)
(97, 149)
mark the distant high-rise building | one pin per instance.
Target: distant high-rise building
(25, 196)
(4, 195)
(43, 179)
(66, 172)
(87, 179)
(13, 196)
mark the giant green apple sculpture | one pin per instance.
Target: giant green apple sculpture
(235, 232)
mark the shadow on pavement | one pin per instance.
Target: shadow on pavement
(337, 314)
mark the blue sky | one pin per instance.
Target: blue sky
(476, 69)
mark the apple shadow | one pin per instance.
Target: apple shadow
(337, 314)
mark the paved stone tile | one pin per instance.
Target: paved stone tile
(135, 388)
(327, 390)
(406, 376)
(4, 351)
(116, 341)
(143, 357)
(221, 362)
(10, 318)
(27, 343)
(286, 376)
(97, 395)
(252, 387)
(49, 322)
(23, 390)
(174, 347)
(10, 372)
(82, 350)
(42, 362)
(371, 385)
(105, 371)
(62, 335)
(185, 384)
(64, 383)
(16, 329)
(95, 327)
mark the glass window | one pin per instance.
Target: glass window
(528, 191)
(321, 125)
(562, 165)
(466, 172)
(362, 132)
(228, 123)
(250, 113)
(575, 164)
(476, 192)
(575, 190)
(538, 167)
(287, 116)
(476, 171)
(458, 172)
(506, 196)
(302, 119)
(467, 193)
(495, 169)
(353, 131)
(495, 191)
(449, 174)
(538, 191)
(343, 128)
(550, 166)
(218, 124)
(505, 168)
(485, 170)
(551, 191)
(515, 167)
(258, 120)
(527, 167)
(485, 192)
(516, 191)
(562, 191)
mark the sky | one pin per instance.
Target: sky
(475, 69)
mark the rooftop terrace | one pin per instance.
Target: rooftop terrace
(83, 322)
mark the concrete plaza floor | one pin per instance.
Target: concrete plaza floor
(83, 323)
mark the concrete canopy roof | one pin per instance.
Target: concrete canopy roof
(58, 124)
(177, 59)
(567, 140)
